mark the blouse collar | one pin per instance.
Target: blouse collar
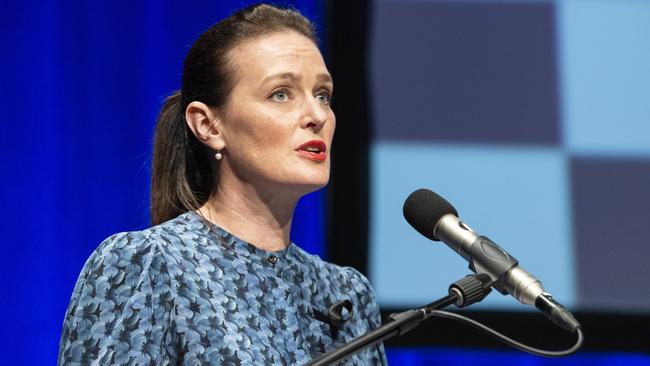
(239, 246)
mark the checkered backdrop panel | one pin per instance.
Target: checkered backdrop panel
(533, 119)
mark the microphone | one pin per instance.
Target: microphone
(435, 218)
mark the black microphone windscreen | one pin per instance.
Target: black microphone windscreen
(423, 208)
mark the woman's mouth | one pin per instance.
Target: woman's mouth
(314, 150)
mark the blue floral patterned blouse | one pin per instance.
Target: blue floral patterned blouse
(188, 293)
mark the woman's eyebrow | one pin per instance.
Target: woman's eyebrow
(325, 78)
(282, 75)
(294, 77)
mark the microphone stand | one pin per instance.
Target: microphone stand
(471, 289)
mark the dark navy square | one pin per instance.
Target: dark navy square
(465, 72)
(611, 202)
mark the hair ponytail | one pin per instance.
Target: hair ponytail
(183, 173)
(181, 176)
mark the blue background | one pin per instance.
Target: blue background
(80, 86)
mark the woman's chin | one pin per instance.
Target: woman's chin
(307, 186)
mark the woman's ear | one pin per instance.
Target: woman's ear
(205, 124)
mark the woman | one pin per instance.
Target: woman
(217, 280)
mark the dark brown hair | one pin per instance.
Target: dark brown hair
(183, 172)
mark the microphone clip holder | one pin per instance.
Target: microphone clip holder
(471, 289)
(468, 290)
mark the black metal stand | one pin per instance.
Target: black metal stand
(461, 293)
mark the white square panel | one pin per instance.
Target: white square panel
(605, 74)
(518, 197)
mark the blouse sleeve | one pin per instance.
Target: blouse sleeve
(121, 311)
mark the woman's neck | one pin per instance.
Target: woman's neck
(264, 222)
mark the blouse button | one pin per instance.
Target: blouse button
(273, 259)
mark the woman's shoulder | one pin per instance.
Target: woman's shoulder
(344, 282)
(135, 261)
(125, 291)
(347, 275)
(180, 230)
(157, 248)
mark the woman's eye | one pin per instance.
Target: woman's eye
(280, 95)
(324, 97)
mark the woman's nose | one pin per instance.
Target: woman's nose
(315, 114)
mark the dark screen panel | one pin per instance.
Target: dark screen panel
(465, 72)
(611, 199)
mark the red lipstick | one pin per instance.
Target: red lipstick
(314, 150)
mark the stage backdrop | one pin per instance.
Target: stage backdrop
(533, 119)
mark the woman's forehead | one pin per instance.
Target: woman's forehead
(281, 54)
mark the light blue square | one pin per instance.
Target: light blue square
(518, 197)
(604, 54)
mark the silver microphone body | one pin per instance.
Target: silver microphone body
(461, 238)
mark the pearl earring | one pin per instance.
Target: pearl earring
(218, 155)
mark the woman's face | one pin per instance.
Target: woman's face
(278, 124)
